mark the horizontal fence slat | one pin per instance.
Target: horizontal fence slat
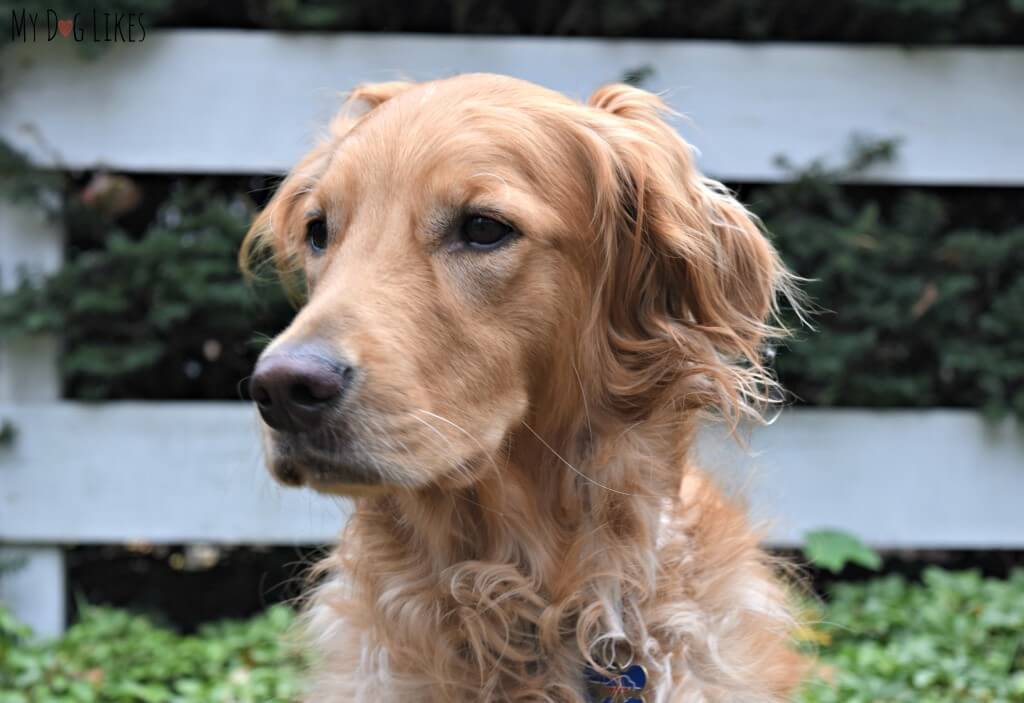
(230, 101)
(897, 478)
(185, 472)
(157, 472)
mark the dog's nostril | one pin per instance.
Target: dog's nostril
(307, 395)
(295, 387)
(319, 385)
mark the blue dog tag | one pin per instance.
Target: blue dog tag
(625, 686)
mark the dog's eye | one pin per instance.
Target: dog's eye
(316, 235)
(481, 232)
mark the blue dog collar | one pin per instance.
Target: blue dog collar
(623, 686)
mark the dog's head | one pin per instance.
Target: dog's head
(481, 255)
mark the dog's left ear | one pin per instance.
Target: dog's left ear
(691, 280)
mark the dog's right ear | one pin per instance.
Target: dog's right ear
(692, 282)
(272, 237)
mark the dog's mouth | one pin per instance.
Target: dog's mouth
(318, 474)
(338, 460)
(326, 467)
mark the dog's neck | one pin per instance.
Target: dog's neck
(536, 503)
(550, 557)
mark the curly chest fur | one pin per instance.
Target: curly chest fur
(679, 587)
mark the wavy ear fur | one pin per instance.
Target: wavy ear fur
(692, 283)
(269, 237)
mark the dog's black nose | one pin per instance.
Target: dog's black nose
(295, 386)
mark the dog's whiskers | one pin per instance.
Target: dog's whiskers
(453, 461)
(586, 407)
(461, 429)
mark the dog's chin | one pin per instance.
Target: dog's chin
(350, 471)
(352, 490)
(335, 479)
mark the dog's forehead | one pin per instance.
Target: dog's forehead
(484, 105)
(462, 125)
(443, 129)
(478, 89)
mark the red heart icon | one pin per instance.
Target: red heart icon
(64, 27)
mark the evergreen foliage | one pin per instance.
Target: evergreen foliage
(916, 309)
(165, 314)
(896, 21)
(921, 300)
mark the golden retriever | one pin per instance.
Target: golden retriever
(518, 309)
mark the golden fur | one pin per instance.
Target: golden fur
(527, 413)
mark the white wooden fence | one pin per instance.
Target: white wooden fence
(238, 102)
(249, 102)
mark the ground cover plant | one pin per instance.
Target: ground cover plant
(948, 637)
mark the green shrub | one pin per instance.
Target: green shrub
(915, 311)
(112, 656)
(955, 637)
(920, 304)
(164, 315)
(901, 21)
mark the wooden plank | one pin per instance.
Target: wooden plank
(30, 245)
(158, 472)
(201, 101)
(34, 587)
(188, 472)
(32, 580)
(896, 478)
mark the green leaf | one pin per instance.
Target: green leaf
(834, 549)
